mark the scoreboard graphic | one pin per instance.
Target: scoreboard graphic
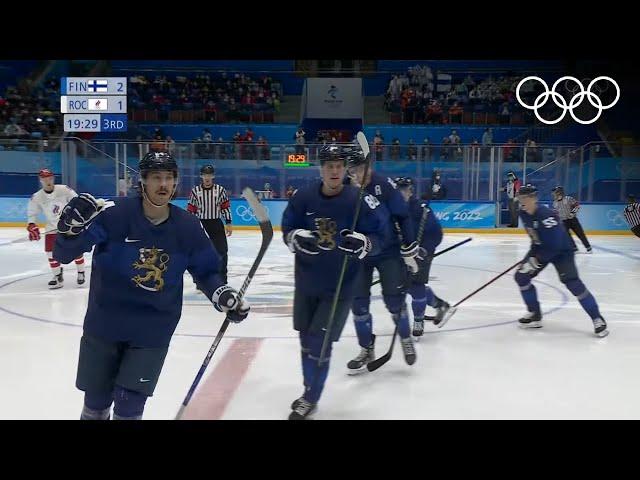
(94, 104)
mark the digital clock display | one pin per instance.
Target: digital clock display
(296, 160)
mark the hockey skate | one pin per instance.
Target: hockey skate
(57, 281)
(408, 350)
(531, 320)
(358, 364)
(418, 329)
(80, 278)
(600, 327)
(444, 313)
(303, 410)
(589, 250)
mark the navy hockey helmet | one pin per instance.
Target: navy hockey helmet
(528, 189)
(157, 161)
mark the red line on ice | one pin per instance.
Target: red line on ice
(212, 398)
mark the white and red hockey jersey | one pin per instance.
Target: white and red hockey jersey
(50, 204)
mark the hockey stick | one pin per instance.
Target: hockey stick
(267, 234)
(439, 253)
(452, 311)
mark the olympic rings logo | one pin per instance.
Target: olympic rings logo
(615, 217)
(246, 213)
(576, 101)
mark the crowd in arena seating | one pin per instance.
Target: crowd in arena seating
(28, 113)
(213, 98)
(420, 96)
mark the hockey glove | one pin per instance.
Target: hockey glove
(354, 244)
(409, 254)
(303, 241)
(225, 299)
(530, 265)
(78, 214)
(34, 231)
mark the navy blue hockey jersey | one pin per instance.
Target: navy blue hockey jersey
(385, 190)
(549, 237)
(137, 270)
(310, 209)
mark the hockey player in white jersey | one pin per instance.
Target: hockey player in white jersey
(50, 200)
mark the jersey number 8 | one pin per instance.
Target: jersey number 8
(372, 201)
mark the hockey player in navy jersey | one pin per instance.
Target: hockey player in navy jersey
(421, 294)
(315, 226)
(142, 248)
(550, 243)
(394, 264)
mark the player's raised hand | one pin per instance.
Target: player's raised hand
(79, 213)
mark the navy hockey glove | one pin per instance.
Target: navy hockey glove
(354, 244)
(78, 214)
(409, 254)
(303, 241)
(225, 299)
(530, 265)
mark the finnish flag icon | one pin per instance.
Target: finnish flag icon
(98, 86)
(97, 104)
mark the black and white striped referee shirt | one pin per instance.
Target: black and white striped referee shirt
(210, 203)
(632, 214)
(567, 207)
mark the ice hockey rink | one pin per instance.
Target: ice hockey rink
(479, 366)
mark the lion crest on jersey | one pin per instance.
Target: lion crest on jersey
(154, 263)
(326, 229)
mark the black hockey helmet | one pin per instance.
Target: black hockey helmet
(528, 189)
(511, 173)
(350, 154)
(207, 170)
(403, 182)
(559, 189)
(158, 161)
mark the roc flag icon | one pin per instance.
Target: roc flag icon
(98, 86)
(96, 104)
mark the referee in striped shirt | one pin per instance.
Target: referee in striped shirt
(567, 208)
(211, 204)
(632, 215)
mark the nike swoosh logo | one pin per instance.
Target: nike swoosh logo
(128, 240)
(143, 380)
(311, 213)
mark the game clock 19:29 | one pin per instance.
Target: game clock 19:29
(296, 160)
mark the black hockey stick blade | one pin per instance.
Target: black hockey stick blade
(378, 362)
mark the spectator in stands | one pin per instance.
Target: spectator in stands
(220, 149)
(445, 149)
(14, 130)
(532, 150)
(455, 113)
(425, 152)
(170, 145)
(412, 150)
(434, 112)
(487, 137)
(438, 190)
(300, 140)
(378, 142)
(508, 152)
(263, 146)
(395, 149)
(505, 113)
(158, 144)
